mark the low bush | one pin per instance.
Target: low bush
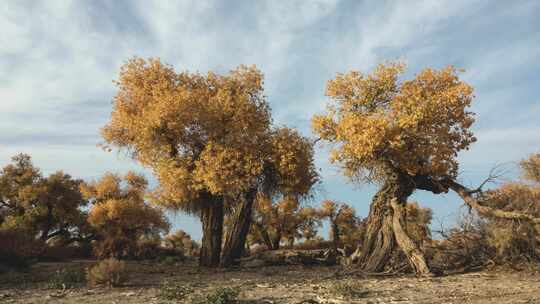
(222, 295)
(110, 272)
(465, 246)
(171, 260)
(172, 291)
(66, 278)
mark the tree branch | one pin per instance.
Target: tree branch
(467, 195)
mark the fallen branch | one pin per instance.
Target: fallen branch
(294, 257)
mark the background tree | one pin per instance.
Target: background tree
(417, 221)
(344, 224)
(516, 239)
(288, 174)
(284, 221)
(120, 215)
(202, 135)
(45, 207)
(181, 240)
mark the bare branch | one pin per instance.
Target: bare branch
(467, 195)
(496, 173)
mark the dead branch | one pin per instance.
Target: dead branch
(467, 195)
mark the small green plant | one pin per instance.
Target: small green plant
(66, 278)
(172, 260)
(349, 290)
(222, 295)
(110, 272)
(173, 291)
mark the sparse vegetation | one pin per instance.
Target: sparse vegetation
(109, 272)
(66, 279)
(222, 295)
(349, 290)
(173, 291)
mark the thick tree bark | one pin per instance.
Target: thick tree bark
(384, 227)
(409, 247)
(379, 239)
(212, 224)
(236, 238)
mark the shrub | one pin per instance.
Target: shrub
(172, 260)
(66, 278)
(513, 241)
(172, 291)
(465, 246)
(110, 272)
(220, 296)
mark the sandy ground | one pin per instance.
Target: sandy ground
(279, 284)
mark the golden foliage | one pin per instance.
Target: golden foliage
(345, 227)
(198, 133)
(44, 207)
(120, 215)
(292, 162)
(531, 168)
(285, 220)
(417, 125)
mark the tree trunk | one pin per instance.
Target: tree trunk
(409, 247)
(276, 240)
(379, 240)
(236, 238)
(212, 224)
(335, 234)
(266, 239)
(384, 228)
(290, 241)
(263, 232)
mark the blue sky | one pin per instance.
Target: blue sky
(58, 60)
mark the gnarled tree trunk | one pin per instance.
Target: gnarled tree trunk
(236, 238)
(409, 247)
(212, 226)
(379, 241)
(384, 227)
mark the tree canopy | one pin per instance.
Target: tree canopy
(45, 206)
(198, 133)
(377, 120)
